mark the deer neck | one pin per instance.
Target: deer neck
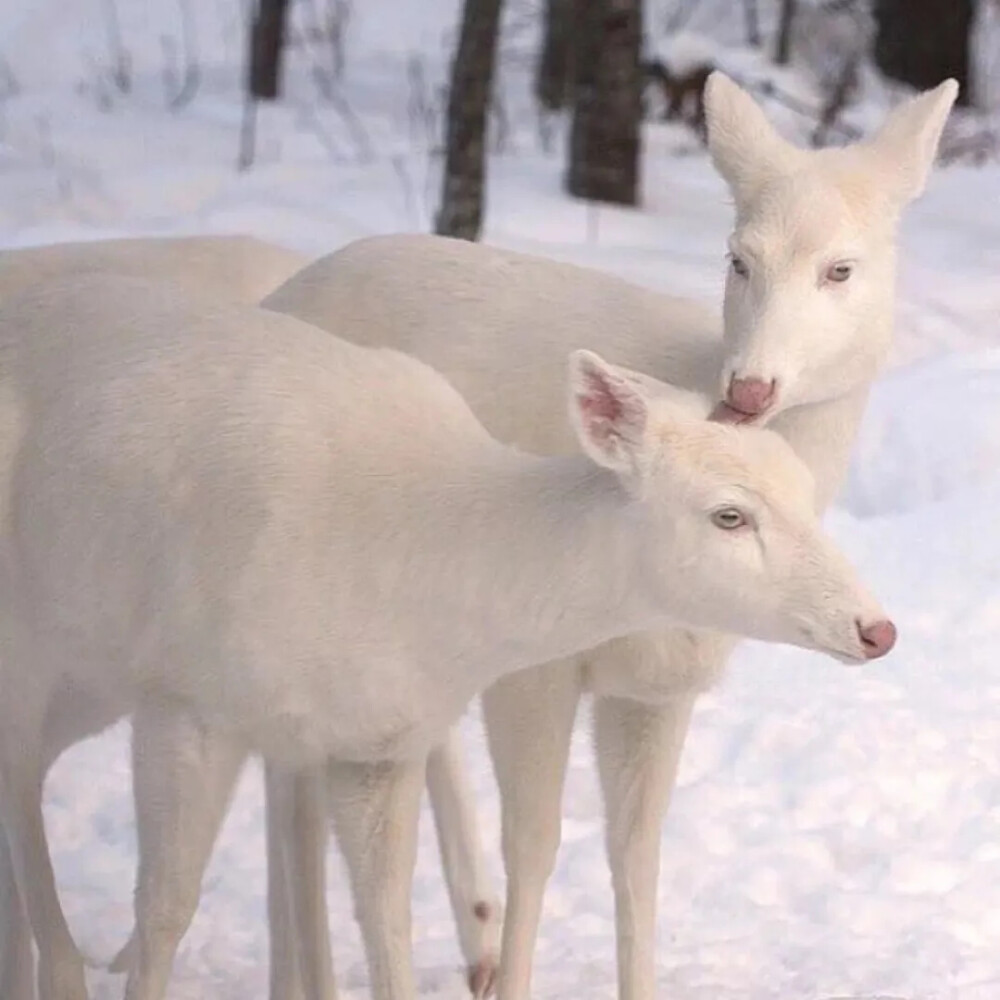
(823, 436)
(536, 559)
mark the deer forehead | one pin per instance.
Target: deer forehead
(813, 214)
(716, 458)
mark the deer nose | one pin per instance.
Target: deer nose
(877, 638)
(752, 396)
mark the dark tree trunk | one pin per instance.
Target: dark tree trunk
(461, 212)
(267, 44)
(554, 76)
(783, 50)
(922, 42)
(605, 137)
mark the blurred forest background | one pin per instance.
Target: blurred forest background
(611, 64)
(583, 81)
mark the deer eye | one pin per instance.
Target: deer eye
(839, 272)
(729, 518)
(739, 265)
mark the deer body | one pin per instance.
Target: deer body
(255, 536)
(241, 268)
(807, 326)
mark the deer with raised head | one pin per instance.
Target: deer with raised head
(807, 326)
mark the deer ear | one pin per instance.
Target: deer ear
(609, 411)
(745, 147)
(907, 142)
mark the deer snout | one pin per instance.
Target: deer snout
(752, 396)
(877, 638)
(746, 400)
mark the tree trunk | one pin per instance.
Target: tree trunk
(605, 137)
(461, 212)
(922, 42)
(267, 44)
(554, 76)
(783, 50)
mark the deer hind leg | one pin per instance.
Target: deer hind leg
(22, 772)
(375, 809)
(183, 776)
(297, 831)
(529, 723)
(17, 960)
(638, 752)
(71, 715)
(473, 899)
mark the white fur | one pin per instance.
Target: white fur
(497, 324)
(255, 536)
(241, 268)
(238, 267)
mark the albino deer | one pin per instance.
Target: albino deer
(254, 536)
(241, 268)
(807, 326)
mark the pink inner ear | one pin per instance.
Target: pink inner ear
(600, 402)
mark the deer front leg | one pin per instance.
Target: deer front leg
(473, 900)
(17, 962)
(299, 924)
(183, 776)
(529, 723)
(375, 809)
(29, 874)
(638, 752)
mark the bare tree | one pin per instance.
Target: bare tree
(783, 50)
(461, 212)
(607, 108)
(922, 42)
(554, 76)
(266, 47)
(267, 44)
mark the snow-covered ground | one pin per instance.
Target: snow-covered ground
(835, 832)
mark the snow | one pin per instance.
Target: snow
(686, 51)
(835, 832)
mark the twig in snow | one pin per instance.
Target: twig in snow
(47, 154)
(121, 61)
(766, 88)
(191, 79)
(366, 151)
(248, 134)
(9, 84)
(418, 217)
(680, 16)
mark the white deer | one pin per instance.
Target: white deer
(238, 267)
(254, 536)
(243, 269)
(807, 326)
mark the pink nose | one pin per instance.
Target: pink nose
(752, 396)
(877, 638)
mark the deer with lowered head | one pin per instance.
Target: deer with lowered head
(254, 536)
